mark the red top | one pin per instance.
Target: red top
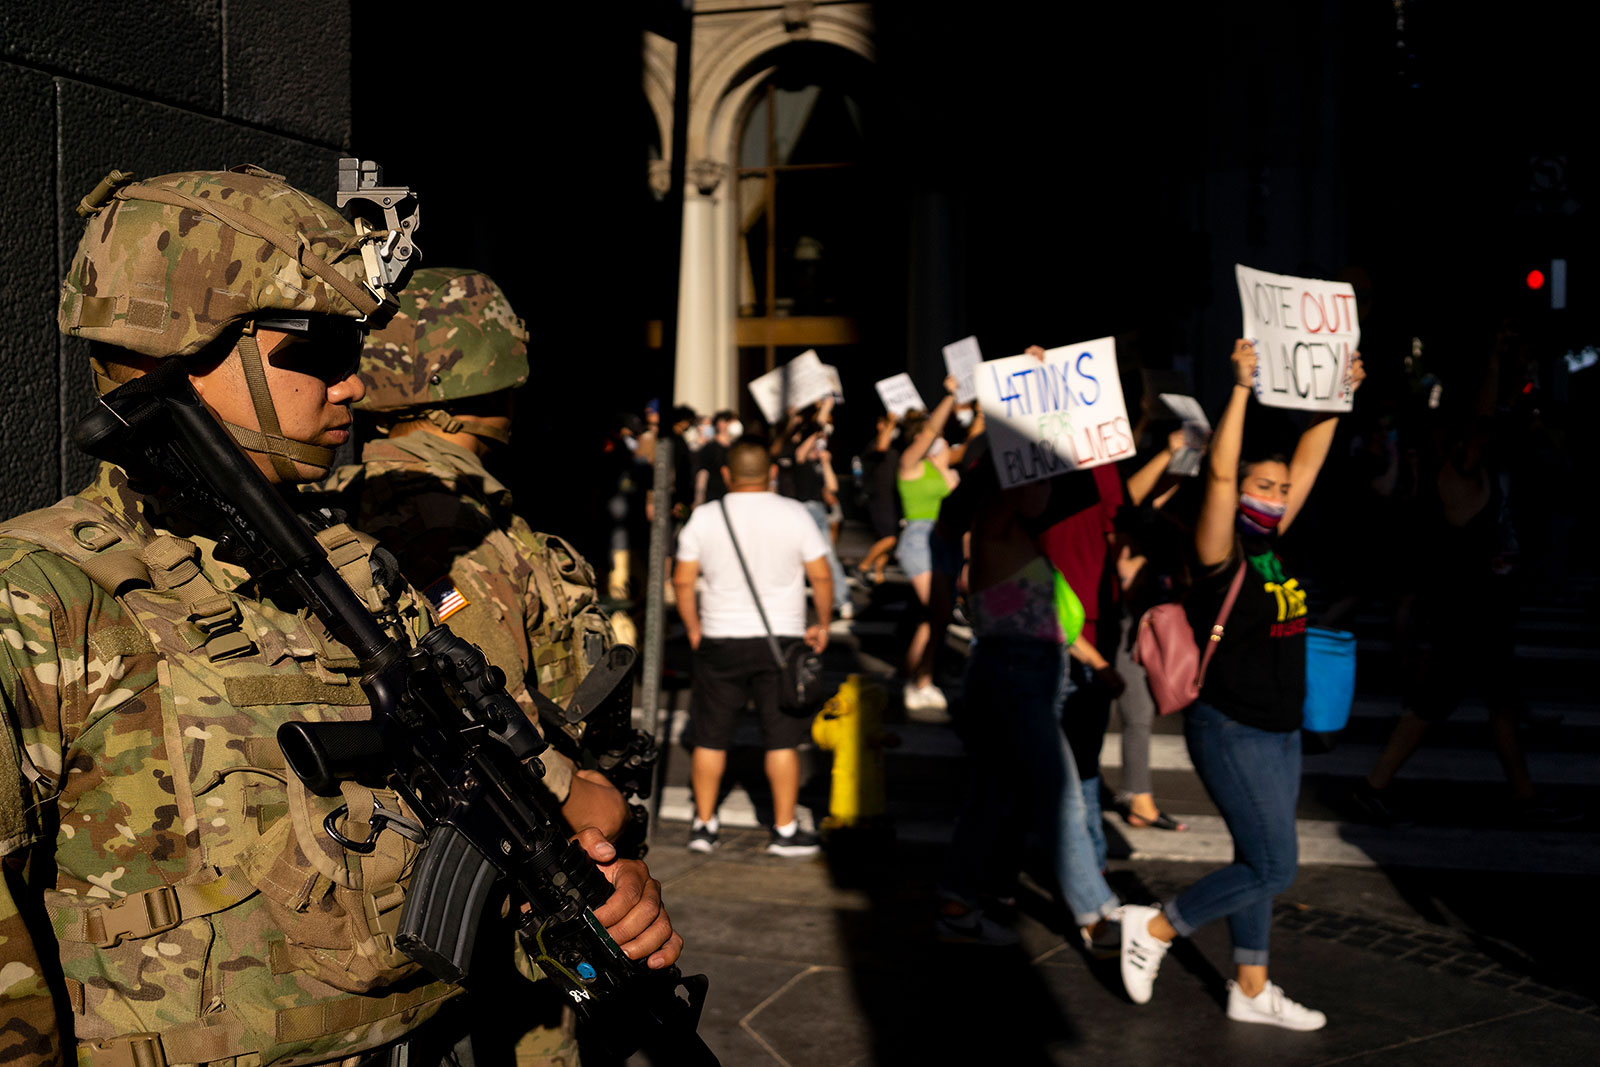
(1077, 545)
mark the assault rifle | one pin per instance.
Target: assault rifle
(443, 734)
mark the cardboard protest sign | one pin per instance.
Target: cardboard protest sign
(1196, 433)
(899, 395)
(801, 381)
(961, 358)
(835, 382)
(1305, 333)
(1062, 414)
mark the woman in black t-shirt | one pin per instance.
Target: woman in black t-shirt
(1244, 731)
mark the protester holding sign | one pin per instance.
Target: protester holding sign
(880, 470)
(1024, 769)
(925, 479)
(805, 473)
(1244, 731)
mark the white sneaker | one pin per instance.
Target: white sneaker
(925, 704)
(846, 610)
(1272, 1007)
(1142, 952)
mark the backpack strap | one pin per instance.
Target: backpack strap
(1222, 620)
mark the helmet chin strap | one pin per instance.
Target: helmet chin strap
(269, 440)
(451, 423)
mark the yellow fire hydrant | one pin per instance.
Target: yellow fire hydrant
(850, 725)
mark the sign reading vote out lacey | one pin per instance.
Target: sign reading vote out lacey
(899, 394)
(1064, 413)
(1305, 333)
(803, 380)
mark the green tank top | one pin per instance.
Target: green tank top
(920, 496)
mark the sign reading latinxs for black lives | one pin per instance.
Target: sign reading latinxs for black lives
(1306, 335)
(1059, 414)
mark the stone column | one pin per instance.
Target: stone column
(703, 366)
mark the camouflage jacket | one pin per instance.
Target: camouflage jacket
(527, 599)
(163, 873)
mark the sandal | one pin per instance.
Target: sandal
(1162, 821)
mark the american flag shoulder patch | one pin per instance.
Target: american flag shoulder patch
(445, 598)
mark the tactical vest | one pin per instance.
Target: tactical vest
(202, 912)
(572, 633)
(566, 630)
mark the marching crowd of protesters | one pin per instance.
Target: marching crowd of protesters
(1049, 582)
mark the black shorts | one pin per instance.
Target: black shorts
(730, 672)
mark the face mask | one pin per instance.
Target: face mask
(735, 429)
(1259, 517)
(964, 416)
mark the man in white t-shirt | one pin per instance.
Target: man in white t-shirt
(732, 661)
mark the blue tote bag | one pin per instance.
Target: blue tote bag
(1330, 682)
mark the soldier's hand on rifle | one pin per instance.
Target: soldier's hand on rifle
(595, 802)
(633, 916)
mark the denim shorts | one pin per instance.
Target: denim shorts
(913, 553)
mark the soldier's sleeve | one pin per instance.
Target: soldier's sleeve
(42, 599)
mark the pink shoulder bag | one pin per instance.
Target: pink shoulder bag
(1167, 651)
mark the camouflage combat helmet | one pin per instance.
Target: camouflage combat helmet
(167, 264)
(454, 336)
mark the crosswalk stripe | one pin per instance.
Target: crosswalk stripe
(1323, 843)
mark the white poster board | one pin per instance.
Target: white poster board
(1061, 414)
(1196, 434)
(836, 382)
(808, 380)
(961, 358)
(899, 395)
(1305, 333)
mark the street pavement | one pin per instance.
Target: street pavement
(1463, 938)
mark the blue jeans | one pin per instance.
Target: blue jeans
(1011, 696)
(1081, 738)
(1253, 777)
(819, 515)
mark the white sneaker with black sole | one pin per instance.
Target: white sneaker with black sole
(1142, 952)
(1270, 1006)
(794, 845)
(702, 838)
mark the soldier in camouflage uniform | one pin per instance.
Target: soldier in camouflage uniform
(438, 379)
(168, 894)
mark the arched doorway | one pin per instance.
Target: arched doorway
(804, 242)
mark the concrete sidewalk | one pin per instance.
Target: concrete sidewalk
(812, 965)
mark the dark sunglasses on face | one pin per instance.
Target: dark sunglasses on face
(323, 346)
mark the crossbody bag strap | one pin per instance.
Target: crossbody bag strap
(772, 642)
(1222, 620)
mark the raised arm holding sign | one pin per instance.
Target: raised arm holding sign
(1305, 335)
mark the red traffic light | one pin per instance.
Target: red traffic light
(1536, 279)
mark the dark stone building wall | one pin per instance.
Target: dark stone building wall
(151, 86)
